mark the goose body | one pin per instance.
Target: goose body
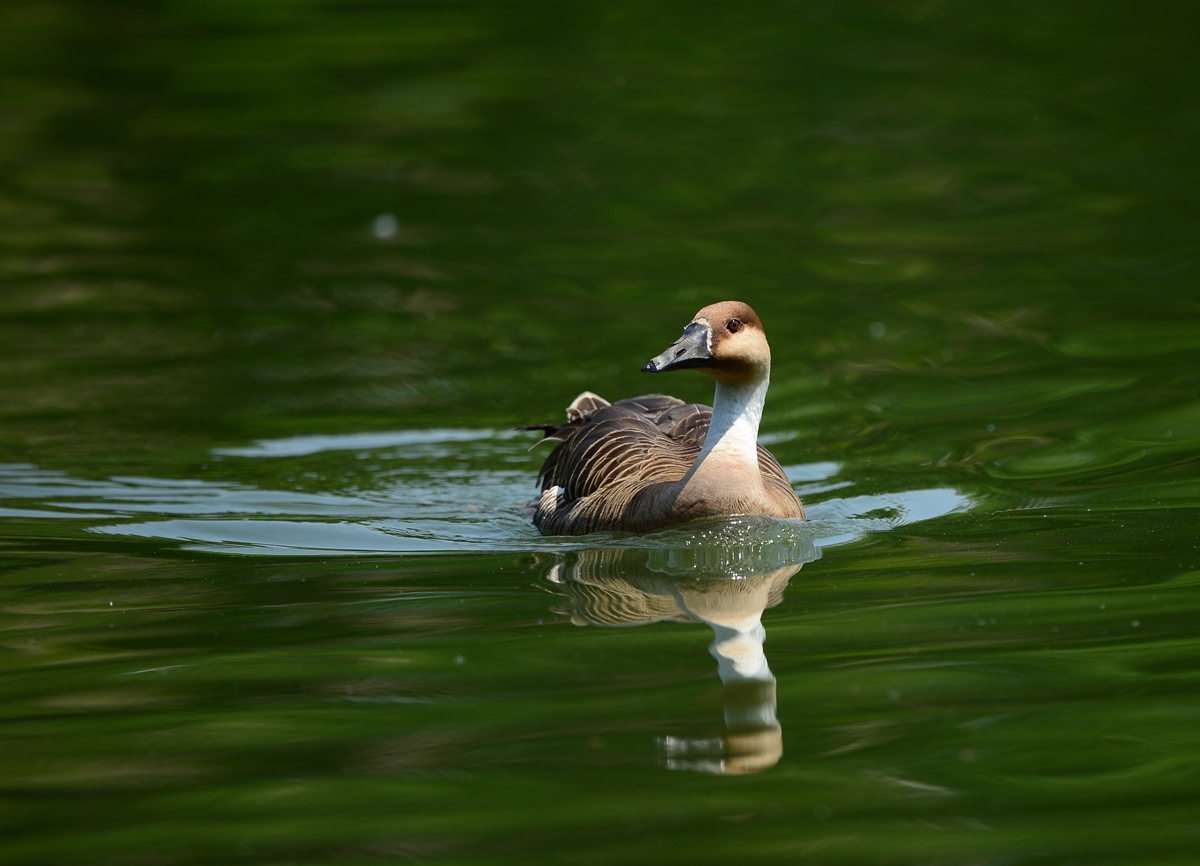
(649, 462)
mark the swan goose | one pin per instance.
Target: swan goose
(649, 462)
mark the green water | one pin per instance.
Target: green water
(277, 280)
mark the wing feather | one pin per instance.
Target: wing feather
(608, 454)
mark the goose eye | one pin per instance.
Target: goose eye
(733, 325)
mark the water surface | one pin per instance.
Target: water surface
(278, 282)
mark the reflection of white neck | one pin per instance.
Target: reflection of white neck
(738, 650)
(753, 740)
(737, 411)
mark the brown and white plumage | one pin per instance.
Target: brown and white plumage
(648, 462)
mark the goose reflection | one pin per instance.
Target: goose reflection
(725, 577)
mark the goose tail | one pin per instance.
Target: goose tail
(581, 408)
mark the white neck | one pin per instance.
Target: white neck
(733, 432)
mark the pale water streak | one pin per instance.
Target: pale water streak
(414, 508)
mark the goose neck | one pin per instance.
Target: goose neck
(737, 411)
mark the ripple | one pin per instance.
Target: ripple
(428, 508)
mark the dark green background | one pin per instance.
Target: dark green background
(972, 233)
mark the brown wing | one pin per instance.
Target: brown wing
(645, 439)
(611, 453)
(776, 480)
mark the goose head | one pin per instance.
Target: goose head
(725, 340)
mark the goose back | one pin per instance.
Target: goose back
(617, 465)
